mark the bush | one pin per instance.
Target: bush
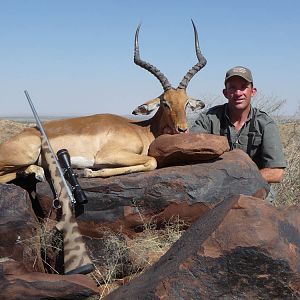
(288, 191)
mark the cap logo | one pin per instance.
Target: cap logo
(240, 70)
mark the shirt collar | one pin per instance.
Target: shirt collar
(251, 113)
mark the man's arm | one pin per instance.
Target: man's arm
(272, 175)
(272, 157)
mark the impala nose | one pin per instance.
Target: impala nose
(183, 130)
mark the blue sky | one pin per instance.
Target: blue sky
(76, 57)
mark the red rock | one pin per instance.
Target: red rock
(19, 228)
(186, 148)
(117, 203)
(17, 284)
(187, 191)
(244, 248)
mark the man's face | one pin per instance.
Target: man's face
(238, 92)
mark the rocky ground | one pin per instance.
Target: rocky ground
(269, 265)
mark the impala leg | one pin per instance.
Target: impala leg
(7, 177)
(38, 171)
(130, 162)
(19, 152)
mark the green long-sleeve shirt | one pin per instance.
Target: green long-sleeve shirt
(264, 147)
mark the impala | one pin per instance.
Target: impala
(106, 144)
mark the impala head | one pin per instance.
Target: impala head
(174, 101)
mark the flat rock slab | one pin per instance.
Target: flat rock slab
(18, 284)
(188, 191)
(170, 150)
(244, 248)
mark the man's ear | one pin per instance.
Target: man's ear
(225, 93)
(147, 107)
(254, 91)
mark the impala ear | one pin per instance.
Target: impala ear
(147, 107)
(195, 104)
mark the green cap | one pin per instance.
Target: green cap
(239, 71)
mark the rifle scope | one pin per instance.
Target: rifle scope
(65, 162)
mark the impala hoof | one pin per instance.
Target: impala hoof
(87, 173)
(40, 177)
(38, 171)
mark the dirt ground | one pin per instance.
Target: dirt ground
(9, 128)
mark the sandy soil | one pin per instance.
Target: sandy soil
(9, 128)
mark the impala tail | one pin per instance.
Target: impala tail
(76, 258)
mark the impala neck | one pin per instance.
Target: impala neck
(157, 123)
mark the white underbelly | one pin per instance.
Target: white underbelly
(81, 162)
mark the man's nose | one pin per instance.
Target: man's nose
(238, 92)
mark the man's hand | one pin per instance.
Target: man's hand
(272, 175)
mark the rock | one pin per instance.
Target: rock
(19, 228)
(188, 191)
(186, 148)
(124, 204)
(242, 249)
(210, 253)
(18, 284)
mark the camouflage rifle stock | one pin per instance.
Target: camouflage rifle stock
(76, 259)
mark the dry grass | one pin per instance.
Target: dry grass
(45, 241)
(288, 191)
(126, 258)
(130, 257)
(30, 246)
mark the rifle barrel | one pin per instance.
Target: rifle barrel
(42, 130)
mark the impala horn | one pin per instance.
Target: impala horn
(197, 67)
(153, 70)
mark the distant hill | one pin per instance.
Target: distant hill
(28, 118)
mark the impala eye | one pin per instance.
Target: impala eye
(166, 104)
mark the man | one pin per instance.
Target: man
(246, 128)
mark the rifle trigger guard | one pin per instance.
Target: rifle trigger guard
(56, 203)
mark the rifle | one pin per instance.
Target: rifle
(76, 259)
(79, 195)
